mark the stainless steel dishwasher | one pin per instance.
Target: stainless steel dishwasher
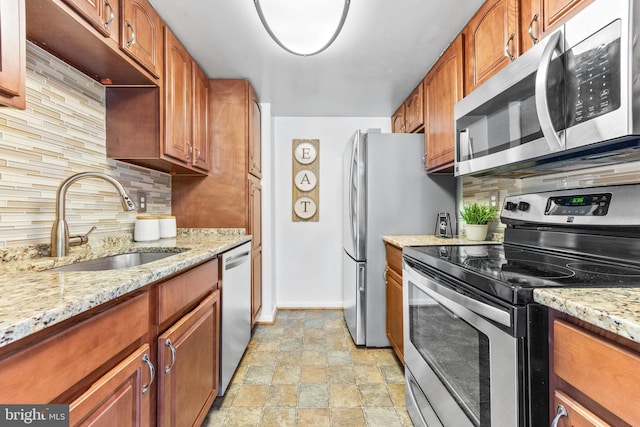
(236, 310)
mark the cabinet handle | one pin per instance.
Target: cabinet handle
(173, 357)
(132, 40)
(190, 152)
(152, 373)
(535, 39)
(197, 155)
(562, 412)
(384, 274)
(107, 24)
(507, 51)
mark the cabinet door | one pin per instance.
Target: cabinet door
(200, 119)
(414, 116)
(555, 12)
(255, 211)
(491, 41)
(141, 34)
(395, 328)
(188, 357)
(540, 17)
(397, 120)
(255, 139)
(178, 104)
(122, 397)
(443, 89)
(101, 14)
(256, 283)
(12, 53)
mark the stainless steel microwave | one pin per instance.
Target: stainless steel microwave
(571, 101)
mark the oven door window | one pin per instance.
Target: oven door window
(457, 352)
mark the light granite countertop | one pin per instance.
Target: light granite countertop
(32, 299)
(431, 240)
(613, 309)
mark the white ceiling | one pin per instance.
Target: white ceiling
(384, 50)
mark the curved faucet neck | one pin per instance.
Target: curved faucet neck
(60, 231)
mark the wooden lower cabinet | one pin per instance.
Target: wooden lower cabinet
(151, 358)
(393, 279)
(188, 355)
(594, 375)
(120, 398)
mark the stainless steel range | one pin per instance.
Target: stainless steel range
(475, 341)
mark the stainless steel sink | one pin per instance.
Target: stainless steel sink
(114, 262)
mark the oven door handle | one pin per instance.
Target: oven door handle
(443, 295)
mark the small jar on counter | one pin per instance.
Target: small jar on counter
(167, 226)
(146, 229)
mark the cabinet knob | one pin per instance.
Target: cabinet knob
(534, 39)
(132, 40)
(507, 51)
(167, 369)
(562, 412)
(152, 373)
(107, 24)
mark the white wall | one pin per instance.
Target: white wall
(308, 255)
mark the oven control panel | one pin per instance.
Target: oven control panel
(606, 206)
(583, 204)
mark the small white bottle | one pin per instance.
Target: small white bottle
(147, 229)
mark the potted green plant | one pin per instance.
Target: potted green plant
(477, 217)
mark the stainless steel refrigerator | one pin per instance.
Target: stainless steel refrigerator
(386, 191)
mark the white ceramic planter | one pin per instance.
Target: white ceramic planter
(476, 231)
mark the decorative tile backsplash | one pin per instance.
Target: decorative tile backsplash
(480, 189)
(62, 132)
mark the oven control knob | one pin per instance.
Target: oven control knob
(510, 206)
(523, 206)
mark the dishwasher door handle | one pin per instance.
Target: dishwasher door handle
(236, 260)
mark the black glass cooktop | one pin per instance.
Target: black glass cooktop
(511, 272)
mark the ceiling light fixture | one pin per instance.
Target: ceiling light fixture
(303, 28)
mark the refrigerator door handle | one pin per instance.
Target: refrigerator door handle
(352, 190)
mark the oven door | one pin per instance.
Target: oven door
(461, 360)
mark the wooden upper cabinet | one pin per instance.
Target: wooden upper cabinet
(141, 34)
(200, 119)
(255, 137)
(102, 14)
(413, 114)
(540, 17)
(443, 88)
(178, 90)
(12, 53)
(397, 120)
(491, 41)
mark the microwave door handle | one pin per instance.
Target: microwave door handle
(542, 107)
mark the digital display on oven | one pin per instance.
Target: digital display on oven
(579, 205)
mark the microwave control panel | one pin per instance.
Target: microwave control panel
(592, 80)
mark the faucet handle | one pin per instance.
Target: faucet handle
(81, 239)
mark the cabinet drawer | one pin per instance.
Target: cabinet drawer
(394, 258)
(43, 371)
(177, 294)
(577, 415)
(604, 371)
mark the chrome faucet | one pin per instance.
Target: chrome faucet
(60, 239)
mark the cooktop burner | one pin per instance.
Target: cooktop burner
(512, 272)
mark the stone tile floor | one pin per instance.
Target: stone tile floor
(304, 370)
